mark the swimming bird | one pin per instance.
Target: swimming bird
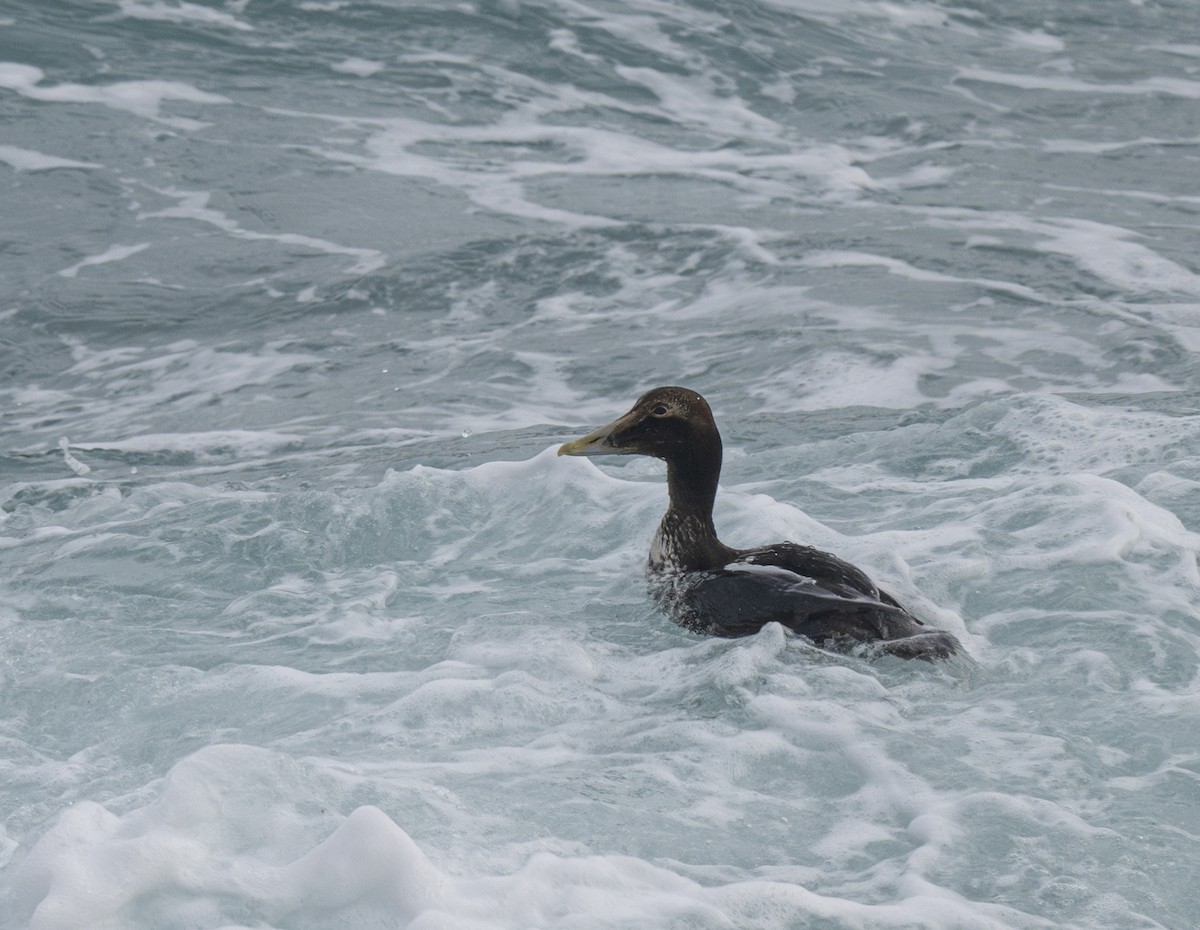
(712, 588)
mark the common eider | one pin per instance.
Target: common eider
(712, 588)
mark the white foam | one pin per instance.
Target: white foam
(359, 67)
(1152, 86)
(1134, 194)
(179, 12)
(29, 160)
(829, 259)
(902, 16)
(141, 98)
(1181, 320)
(1090, 147)
(1091, 520)
(1037, 40)
(1102, 249)
(499, 165)
(124, 392)
(656, 27)
(699, 102)
(832, 169)
(250, 852)
(1108, 253)
(193, 205)
(72, 462)
(116, 253)
(243, 442)
(1185, 49)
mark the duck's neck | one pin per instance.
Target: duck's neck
(692, 486)
(687, 539)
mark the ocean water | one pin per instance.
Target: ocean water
(304, 625)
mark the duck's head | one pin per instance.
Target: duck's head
(671, 423)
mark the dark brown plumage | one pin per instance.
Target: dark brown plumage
(713, 588)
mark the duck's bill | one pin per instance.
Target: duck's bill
(597, 442)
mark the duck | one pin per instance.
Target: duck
(718, 590)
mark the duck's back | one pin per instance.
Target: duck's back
(814, 594)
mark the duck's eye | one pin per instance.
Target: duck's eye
(659, 410)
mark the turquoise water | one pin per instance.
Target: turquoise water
(304, 625)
